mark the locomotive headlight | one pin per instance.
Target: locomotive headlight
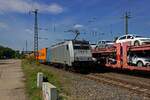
(77, 59)
(89, 58)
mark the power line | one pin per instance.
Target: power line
(43, 38)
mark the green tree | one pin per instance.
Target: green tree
(6, 52)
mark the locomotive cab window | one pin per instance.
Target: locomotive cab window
(67, 47)
(81, 47)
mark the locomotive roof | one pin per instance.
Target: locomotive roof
(74, 41)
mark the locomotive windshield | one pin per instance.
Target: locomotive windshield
(81, 45)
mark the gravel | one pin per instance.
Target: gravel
(76, 87)
(135, 79)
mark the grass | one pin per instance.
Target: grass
(30, 70)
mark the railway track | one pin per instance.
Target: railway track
(138, 88)
(134, 87)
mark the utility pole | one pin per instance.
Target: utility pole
(111, 33)
(54, 28)
(26, 46)
(126, 17)
(35, 32)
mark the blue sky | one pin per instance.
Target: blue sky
(101, 16)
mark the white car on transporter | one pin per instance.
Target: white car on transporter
(139, 61)
(104, 44)
(133, 39)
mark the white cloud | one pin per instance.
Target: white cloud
(3, 25)
(23, 6)
(78, 26)
(29, 31)
(55, 8)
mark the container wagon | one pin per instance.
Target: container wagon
(42, 55)
(48, 55)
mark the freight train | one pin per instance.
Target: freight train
(74, 53)
(79, 55)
